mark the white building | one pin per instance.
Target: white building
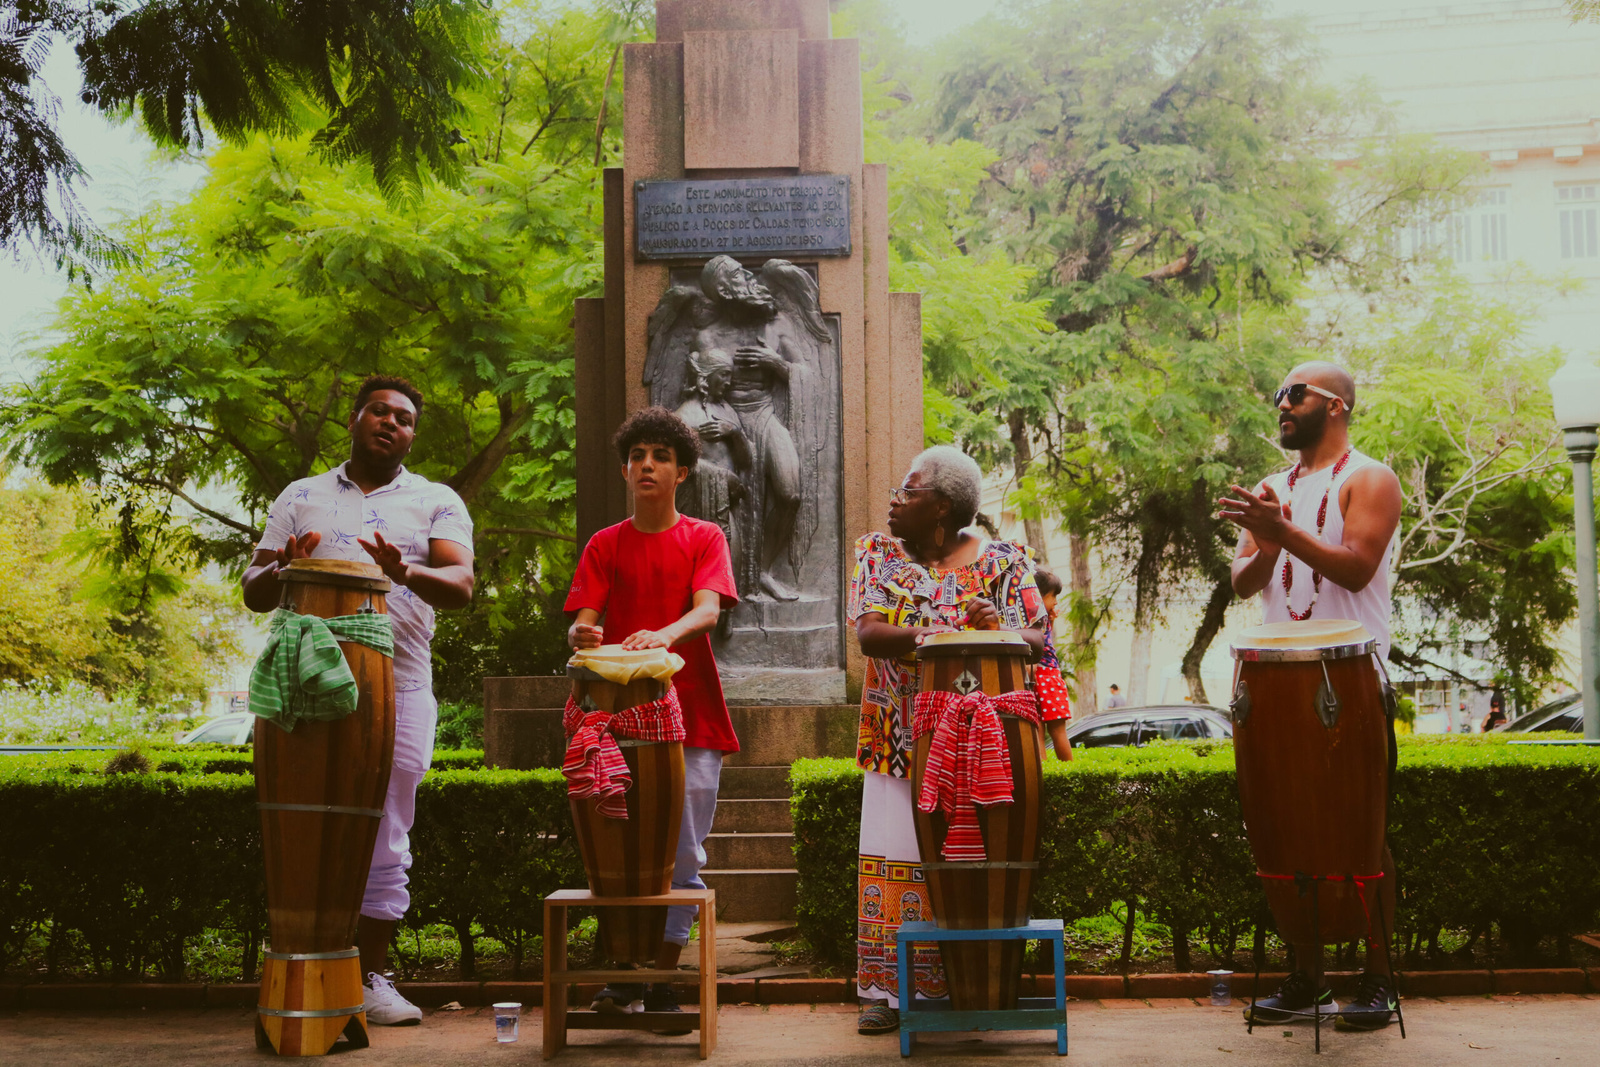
(1515, 80)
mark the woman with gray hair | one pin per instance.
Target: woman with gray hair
(928, 574)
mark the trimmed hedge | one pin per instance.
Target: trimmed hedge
(137, 864)
(1483, 833)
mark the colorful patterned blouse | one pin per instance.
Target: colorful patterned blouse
(889, 582)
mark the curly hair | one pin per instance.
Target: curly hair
(658, 426)
(375, 382)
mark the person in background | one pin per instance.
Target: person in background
(1497, 712)
(1117, 700)
(1054, 706)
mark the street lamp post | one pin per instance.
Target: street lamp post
(1575, 389)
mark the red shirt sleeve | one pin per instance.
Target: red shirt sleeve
(591, 583)
(713, 567)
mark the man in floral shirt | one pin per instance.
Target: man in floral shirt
(371, 509)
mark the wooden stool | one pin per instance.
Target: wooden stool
(558, 1019)
(1031, 1013)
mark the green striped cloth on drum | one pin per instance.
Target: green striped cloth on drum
(301, 674)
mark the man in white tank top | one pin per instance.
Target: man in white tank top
(1315, 541)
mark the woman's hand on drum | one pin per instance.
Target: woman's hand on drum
(647, 639)
(981, 615)
(586, 635)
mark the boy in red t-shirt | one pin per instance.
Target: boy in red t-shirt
(661, 579)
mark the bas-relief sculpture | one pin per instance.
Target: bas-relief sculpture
(752, 364)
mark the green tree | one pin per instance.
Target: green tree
(82, 604)
(219, 366)
(376, 81)
(1458, 406)
(1166, 170)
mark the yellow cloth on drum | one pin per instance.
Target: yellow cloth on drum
(621, 666)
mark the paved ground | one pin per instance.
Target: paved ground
(1480, 1031)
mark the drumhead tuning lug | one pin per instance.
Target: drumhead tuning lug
(1327, 701)
(1239, 706)
(965, 683)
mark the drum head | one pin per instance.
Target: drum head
(1311, 639)
(614, 663)
(974, 643)
(350, 567)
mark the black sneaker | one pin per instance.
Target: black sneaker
(624, 998)
(1293, 998)
(1373, 1006)
(659, 997)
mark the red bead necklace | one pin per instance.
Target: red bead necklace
(1322, 519)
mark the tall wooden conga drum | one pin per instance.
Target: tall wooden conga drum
(632, 856)
(992, 892)
(1311, 741)
(320, 788)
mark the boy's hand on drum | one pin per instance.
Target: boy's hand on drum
(981, 615)
(583, 635)
(646, 639)
(386, 556)
(298, 548)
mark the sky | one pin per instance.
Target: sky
(124, 172)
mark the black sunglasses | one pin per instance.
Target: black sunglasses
(1297, 392)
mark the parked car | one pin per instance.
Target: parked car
(1135, 726)
(237, 729)
(1563, 714)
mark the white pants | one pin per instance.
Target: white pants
(416, 714)
(702, 774)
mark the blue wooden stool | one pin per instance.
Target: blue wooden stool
(1031, 1013)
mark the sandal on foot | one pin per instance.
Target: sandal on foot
(877, 1019)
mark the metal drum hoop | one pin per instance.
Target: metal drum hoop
(1303, 655)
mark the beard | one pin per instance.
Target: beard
(1303, 431)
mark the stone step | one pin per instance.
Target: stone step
(738, 852)
(752, 816)
(771, 735)
(754, 783)
(753, 896)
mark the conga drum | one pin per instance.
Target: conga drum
(320, 789)
(992, 891)
(1311, 742)
(632, 856)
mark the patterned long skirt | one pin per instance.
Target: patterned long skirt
(890, 890)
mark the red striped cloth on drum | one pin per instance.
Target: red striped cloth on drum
(968, 762)
(593, 763)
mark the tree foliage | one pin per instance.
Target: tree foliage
(372, 80)
(221, 366)
(1167, 170)
(82, 604)
(1458, 406)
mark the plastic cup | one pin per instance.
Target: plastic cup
(505, 1021)
(1221, 988)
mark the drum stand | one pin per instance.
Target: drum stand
(1315, 880)
(1031, 1013)
(557, 978)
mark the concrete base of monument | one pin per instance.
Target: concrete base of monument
(782, 685)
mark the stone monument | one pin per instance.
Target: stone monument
(746, 287)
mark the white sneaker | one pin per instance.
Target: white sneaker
(385, 1006)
